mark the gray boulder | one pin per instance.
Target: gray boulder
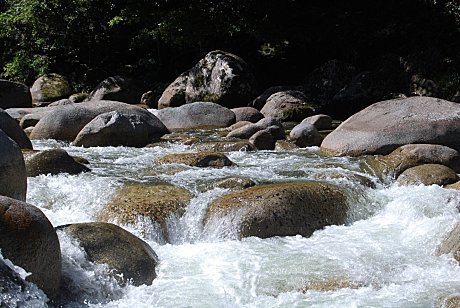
(247, 114)
(29, 241)
(196, 115)
(287, 106)
(260, 100)
(65, 122)
(305, 135)
(219, 77)
(50, 88)
(121, 128)
(123, 252)
(320, 121)
(263, 140)
(14, 95)
(246, 131)
(13, 177)
(19, 113)
(282, 209)
(10, 127)
(384, 126)
(54, 161)
(117, 88)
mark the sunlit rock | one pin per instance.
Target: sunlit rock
(202, 159)
(282, 209)
(50, 88)
(428, 174)
(54, 161)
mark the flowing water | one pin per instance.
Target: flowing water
(383, 257)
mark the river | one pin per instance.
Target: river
(382, 257)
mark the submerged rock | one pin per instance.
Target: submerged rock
(13, 177)
(202, 159)
(282, 209)
(53, 162)
(428, 174)
(223, 146)
(235, 183)
(219, 77)
(384, 126)
(157, 202)
(28, 239)
(123, 252)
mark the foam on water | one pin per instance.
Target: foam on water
(383, 257)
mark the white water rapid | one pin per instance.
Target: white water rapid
(383, 257)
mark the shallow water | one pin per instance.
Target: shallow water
(383, 256)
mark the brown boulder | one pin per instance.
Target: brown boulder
(29, 240)
(50, 88)
(281, 209)
(120, 250)
(53, 162)
(287, 106)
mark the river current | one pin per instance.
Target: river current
(383, 257)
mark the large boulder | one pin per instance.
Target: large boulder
(287, 106)
(219, 77)
(196, 115)
(123, 252)
(53, 162)
(117, 88)
(428, 174)
(305, 135)
(411, 155)
(281, 209)
(202, 159)
(384, 126)
(14, 95)
(116, 128)
(13, 177)
(29, 241)
(10, 127)
(156, 202)
(50, 88)
(65, 122)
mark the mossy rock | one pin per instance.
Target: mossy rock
(157, 202)
(49, 88)
(297, 113)
(428, 174)
(235, 183)
(224, 146)
(202, 159)
(282, 209)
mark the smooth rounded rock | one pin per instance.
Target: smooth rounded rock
(10, 127)
(247, 114)
(384, 126)
(13, 177)
(122, 251)
(121, 128)
(305, 135)
(428, 174)
(50, 88)
(29, 240)
(320, 121)
(14, 95)
(282, 209)
(287, 106)
(196, 115)
(263, 140)
(54, 161)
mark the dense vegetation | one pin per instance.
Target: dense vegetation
(283, 40)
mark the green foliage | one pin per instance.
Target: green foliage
(25, 67)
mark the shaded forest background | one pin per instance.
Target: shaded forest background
(282, 40)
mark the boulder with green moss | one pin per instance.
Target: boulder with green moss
(287, 106)
(428, 174)
(49, 88)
